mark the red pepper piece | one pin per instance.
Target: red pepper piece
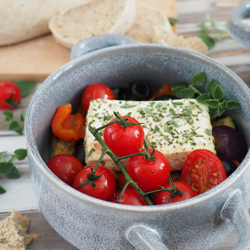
(68, 127)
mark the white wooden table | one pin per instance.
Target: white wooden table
(19, 193)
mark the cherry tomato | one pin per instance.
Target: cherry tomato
(65, 167)
(130, 197)
(105, 185)
(124, 141)
(149, 176)
(10, 95)
(164, 196)
(203, 170)
(68, 127)
(95, 91)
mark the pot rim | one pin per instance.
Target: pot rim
(34, 153)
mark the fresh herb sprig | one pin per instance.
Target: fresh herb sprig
(209, 26)
(129, 181)
(214, 98)
(7, 167)
(14, 125)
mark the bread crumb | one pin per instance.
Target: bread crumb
(194, 43)
(13, 232)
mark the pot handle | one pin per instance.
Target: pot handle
(236, 29)
(143, 237)
(94, 43)
(234, 209)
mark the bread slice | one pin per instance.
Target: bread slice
(13, 232)
(95, 18)
(146, 18)
(163, 37)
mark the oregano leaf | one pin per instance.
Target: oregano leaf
(218, 93)
(5, 168)
(179, 84)
(199, 78)
(22, 116)
(2, 190)
(8, 115)
(187, 93)
(212, 103)
(177, 91)
(232, 104)
(208, 40)
(14, 173)
(213, 113)
(202, 98)
(26, 87)
(14, 126)
(20, 154)
(224, 104)
(211, 85)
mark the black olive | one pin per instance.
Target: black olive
(139, 91)
(229, 166)
(120, 93)
(79, 151)
(165, 97)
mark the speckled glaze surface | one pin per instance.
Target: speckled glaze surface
(89, 223)
(236, 29)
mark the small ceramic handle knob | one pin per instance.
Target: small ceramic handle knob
(94, 43)
(234, 210)
(236, 28)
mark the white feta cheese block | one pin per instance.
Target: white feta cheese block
(174, 127)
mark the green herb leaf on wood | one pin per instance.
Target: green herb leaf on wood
(21, 154)
(26, 87)
(2, 190)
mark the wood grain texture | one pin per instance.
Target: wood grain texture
(36, 59)
(19, 194)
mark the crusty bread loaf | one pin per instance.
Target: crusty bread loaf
(96, 18)
(146, 18)
(13, 232)
(191, 43)
(21, 20)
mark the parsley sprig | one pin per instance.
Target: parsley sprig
(14, 125)
(7, 167)
(214, 97)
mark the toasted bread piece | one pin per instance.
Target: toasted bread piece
(192, 43)
(146, 18)
(96, 18)
(13, 232)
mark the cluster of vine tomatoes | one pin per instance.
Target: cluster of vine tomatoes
(202, 170)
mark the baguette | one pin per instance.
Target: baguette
(13, 232)
(146, 18)
(95, 18)
(191, 43)
(22, 20)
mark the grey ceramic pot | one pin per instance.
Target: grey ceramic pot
(236, 28)
(89, 223)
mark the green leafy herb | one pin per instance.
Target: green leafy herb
(7, 167)
(26, 87)
(208, 26)
(16, 126)
(173, 20)
(214, 98)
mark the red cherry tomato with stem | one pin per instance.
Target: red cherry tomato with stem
(164, 196)
(95, 91)
(65, 167)
(203, 170)
(10, 95)
(130, 197)
(105, 185)
(152, 175)
(124, 141)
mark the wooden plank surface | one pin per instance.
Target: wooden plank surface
(36, 59)
(19, 192)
